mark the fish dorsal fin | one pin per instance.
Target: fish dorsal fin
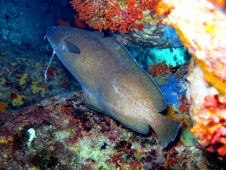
(116, 48)
(97, 34)
(91, 101)
(68, 46)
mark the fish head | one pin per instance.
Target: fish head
(59, 39)
(65, 42)
(56, 35)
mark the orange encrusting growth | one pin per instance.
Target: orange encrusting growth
(170, 113)
(4, 141)
(3, 106)
(220, 3)
(114, 15)
(210, 77)
(162, 9)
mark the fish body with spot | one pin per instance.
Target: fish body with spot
(112, 82)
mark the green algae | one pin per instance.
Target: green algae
(187, 137)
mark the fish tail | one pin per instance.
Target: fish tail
(166, 129)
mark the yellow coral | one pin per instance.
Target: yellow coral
(36, 89)
(3, 81)
(76, 149)
(4, 141)
(18, 100)
(210, 28)
(22, 80)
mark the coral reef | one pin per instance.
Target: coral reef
(160, 68)
(62, 133)
(114, 15)
(220, 3)
(22, 75)
(203, 36)
(137, 18)
(208, 111)
(203, 32)
(212, 127)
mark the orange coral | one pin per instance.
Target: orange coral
(162, 9)
(220, 3)
(211, 128)
(3, 106)
(114, 15)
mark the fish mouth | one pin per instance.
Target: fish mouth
(56, 34)
(50, 33)
(50, 30)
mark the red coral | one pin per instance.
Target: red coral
(171, 157)
(114, 15)
(211, 127)
(184, 107)
(13, 95)
(160, 68)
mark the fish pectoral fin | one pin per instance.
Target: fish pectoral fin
(68, 46)
(91, 101)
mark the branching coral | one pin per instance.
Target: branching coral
(160, 68)
(115, 14)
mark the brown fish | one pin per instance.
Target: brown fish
(112, 82)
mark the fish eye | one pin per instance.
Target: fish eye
(52, 28)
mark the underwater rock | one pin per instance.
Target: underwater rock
(203, 32)
(62, 141)
(155, 35)
(208, 111)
